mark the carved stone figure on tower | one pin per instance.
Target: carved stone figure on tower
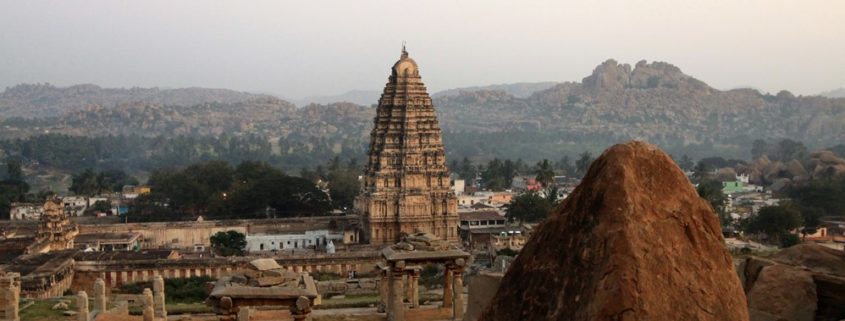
(406, 185)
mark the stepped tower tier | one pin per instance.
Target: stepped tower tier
(406, 185)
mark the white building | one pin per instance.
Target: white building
(459, 186)
(469, 200)
(26, 211)
(74, 205)
(306, 240)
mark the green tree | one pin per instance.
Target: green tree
(701, 172)
(228, 243)
(711, 191)
(565, 166)
(529, 207)
(99, 206)
(343, 187)
(14, 171)
(467, 171)
(774, 222)
(583, 163)
(686, 163)
(494, 175)
(544, 172)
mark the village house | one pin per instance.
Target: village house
(467, 200)
(26, 211)
(478, 227)
(107, 242)
(523, 183)
(75, 205)
(317, 239)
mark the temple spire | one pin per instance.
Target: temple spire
(406, 184)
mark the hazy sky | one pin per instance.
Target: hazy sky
(301, 48)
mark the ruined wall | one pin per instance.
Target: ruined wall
(167, 235)
(184, 235)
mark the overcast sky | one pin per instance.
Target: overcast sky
(302, 48)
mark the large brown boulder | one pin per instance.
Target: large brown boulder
(803, 282)
(634, 241)
(783, 293)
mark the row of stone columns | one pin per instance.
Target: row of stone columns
(117, 278)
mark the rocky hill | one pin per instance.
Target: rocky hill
(519, 90)
(43, 100)
(634, 241)
(653, 101)
(650, 101)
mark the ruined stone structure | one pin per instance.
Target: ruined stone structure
(406, 183)
(117, 268)
(265, 283)
(400, 277)
(55, 231)
(82, 306)
(10, 289)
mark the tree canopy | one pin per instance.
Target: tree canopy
(228, 243)
(252, 190)
(529, 207)
(774, 221)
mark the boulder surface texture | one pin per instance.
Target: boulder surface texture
(634, 241)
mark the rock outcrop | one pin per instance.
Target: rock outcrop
(634, 241)
(805, 282)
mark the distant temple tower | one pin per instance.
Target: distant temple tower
(55, 231)
(406, 183)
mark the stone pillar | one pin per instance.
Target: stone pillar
(149, 312)
(458, 298)
(415, 288)
(301, 309)
(383, 290)
(10, 293)
(82, 306)
(100, 295)
(158, 287)
(395, 307)
(244, 313)
(447, 288)
(408, 288)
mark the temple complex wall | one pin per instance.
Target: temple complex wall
(186, 235)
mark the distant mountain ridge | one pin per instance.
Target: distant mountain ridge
(836, 93)
(519, 90)
(39, 100)
(617, 102)
(360, 97)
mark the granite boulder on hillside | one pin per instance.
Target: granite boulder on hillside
(634, 241)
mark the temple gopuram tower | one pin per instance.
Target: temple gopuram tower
(406, 185)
